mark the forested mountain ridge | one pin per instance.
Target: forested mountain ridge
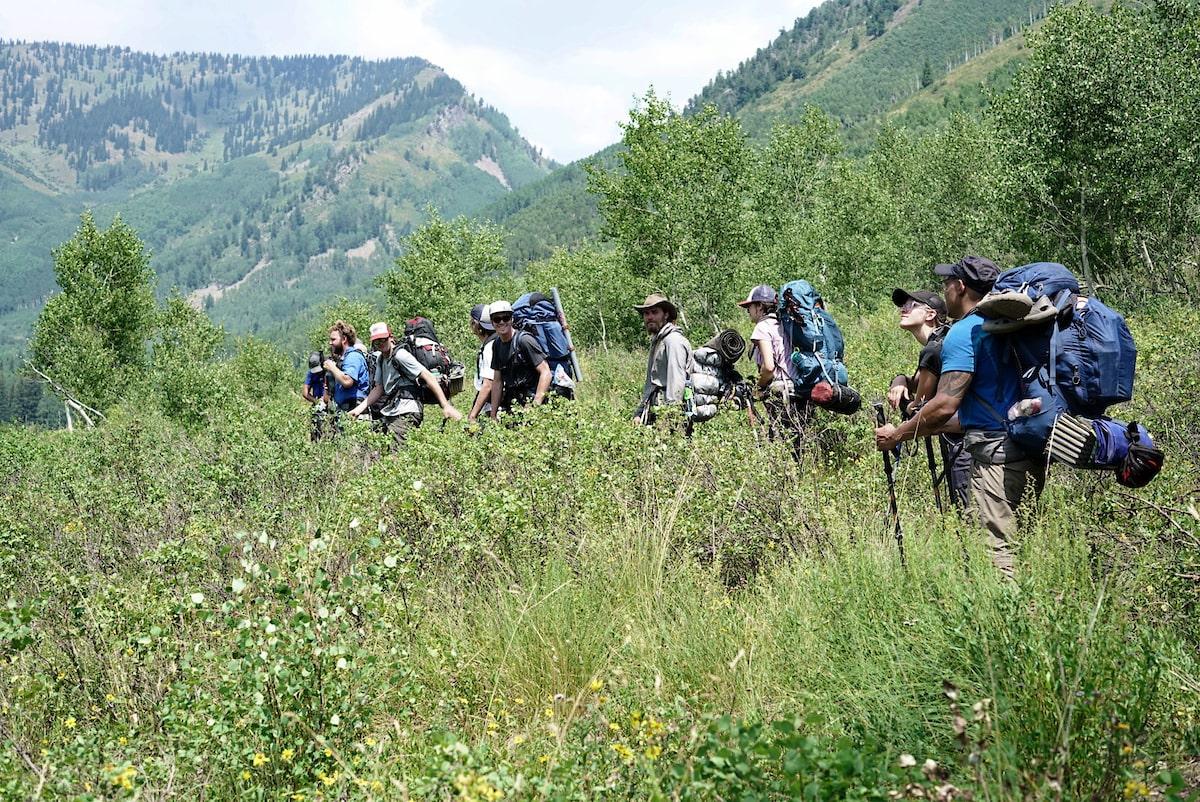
(279, 177)
(861, 61)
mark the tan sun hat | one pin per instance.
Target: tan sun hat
(658, 299)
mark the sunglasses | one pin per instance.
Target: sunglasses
(502, 318)
(910, 305)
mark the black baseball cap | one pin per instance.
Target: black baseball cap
(976, 272)
(931, 299)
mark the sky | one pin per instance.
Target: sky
(565, 73)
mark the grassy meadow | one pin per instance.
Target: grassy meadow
(575, 608)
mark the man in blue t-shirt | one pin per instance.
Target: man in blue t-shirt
(347, 368)
(978, 384)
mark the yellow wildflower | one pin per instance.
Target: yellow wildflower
(596, 685)
(370, 741)
(653, 752)
(69, 723)
(124, 778)
(288, 754)
(624, 752)
(548, 712)
(260, 759)
(246, 774)
(123, 741)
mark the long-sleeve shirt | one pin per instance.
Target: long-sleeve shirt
(669, 366)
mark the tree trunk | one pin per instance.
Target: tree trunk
(1083, 249)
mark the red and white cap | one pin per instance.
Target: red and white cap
(380, 331)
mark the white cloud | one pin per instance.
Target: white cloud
(567, 99)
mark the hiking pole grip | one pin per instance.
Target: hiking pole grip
(562, 318)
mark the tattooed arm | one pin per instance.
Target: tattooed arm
(940, 410)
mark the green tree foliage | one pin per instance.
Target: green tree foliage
(357, 312)
(443, 263)
(186, 378)
(90, 338)
(598, 292)
(676, 205)
(1100, 127)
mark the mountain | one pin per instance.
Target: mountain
(863, 62)
(261, 185)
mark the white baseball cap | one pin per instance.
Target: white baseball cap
(379, 331)
(499, 307)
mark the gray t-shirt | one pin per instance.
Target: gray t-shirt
(400, 378)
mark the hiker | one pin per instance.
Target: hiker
(923, 315)
(346, 367)
(977, 380)
(670, 361)
(772, 385)
(521, 372)
(314, 393)
(398, 377)
(485, 332)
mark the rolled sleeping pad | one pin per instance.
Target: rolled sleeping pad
(704, 412)
(839, 398)
(729, 345)
(700, 399)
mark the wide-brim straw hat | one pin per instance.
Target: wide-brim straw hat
(657, 299)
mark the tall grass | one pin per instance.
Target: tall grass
(575, 607)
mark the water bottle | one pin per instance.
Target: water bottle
(1024, 408)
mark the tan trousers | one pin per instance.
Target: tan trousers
(997, 491)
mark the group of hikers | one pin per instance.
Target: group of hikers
(1013, 370)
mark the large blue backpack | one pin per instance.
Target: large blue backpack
(535, 314)
(1080, 361)
(811, 337)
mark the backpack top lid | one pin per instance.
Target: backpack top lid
(534, 307)
(420, 327)
(1038, 279)
(798, 296)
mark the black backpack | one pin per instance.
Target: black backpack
(421, 340)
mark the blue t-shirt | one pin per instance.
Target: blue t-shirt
(354, 365)
(316, 384)
(995, 380)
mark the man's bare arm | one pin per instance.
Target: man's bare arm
(952, 387)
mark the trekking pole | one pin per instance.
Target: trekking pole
(562, 319)
(933, 473)
(891, 482)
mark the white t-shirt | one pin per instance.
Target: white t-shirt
(483, 364)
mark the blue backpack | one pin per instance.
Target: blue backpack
(812, 338)
(535, 314)
(1080, 361)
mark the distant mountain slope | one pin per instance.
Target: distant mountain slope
(260, 184)
(862, 61)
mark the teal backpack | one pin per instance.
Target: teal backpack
(811, 338)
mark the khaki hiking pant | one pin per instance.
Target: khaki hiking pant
(399, 426)
(997, 491)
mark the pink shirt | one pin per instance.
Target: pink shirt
(767, 331)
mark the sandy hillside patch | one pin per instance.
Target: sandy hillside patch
(489, 166)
